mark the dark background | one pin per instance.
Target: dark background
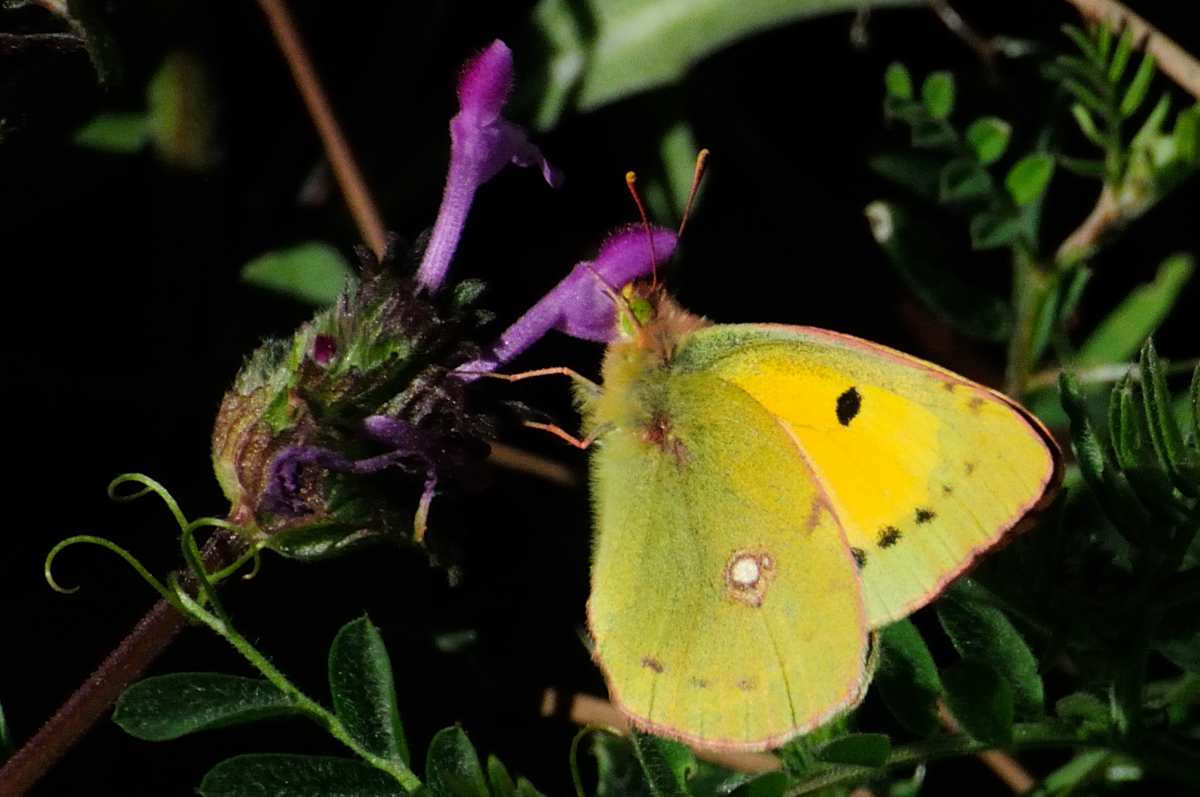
(126, 322)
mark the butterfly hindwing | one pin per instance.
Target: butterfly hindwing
(725, 606)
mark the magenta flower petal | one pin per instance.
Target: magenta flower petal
(582, 305)
(482, 142)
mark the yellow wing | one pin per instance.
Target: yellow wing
(725, 607)
(925, 469)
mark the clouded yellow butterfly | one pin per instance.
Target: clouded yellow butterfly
(766, 496)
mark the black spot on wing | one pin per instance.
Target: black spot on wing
(652, 663)
(860, 557)
(924, 514)
(848, 406)
(888, 536)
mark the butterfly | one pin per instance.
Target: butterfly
(766, 497)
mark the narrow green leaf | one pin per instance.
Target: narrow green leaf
(452, 767)
(1116, 67)
(964, 179)
(989, 136)
(1107, 483)
(1187, 136)
(527, 789)
(898, 81)
(364, 695)
(1084, 43)
(1150, 133)
(170, 706)
(858, 749)
(768, 784)
(499, 779)
(314, 272)
(1137, 317)
(993, 229)
(980, 701)
(909, 111)
(282, 775)
(1138, 87)
(937, 94)
(1165, 434)
(1028, 177)
(982, 633)
(599, 51)
(667, 764)
(1077, 775)
(1087, 124)
(907, 678)
(1103, 41)
(1082, 70)
(115, 132)
(1094, 102)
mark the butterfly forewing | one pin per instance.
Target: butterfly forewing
(924, 469)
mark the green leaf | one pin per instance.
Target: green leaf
(452, 767)
(989, 136)
(364, 695)
(937, 94)
(170, 706)
(115, 132)
(1124, 330)
(898, 81)
(907, 678)
(768, 784)
(1084, 43)
(314, 272)
(858, 749)
(1028, 177)
(1138, 87)
(1187, 136)
(1086, 713)
(282, 775)
(667, 764)
(600, 51)
(993, 229)
(1116, 68)
(499, 779)
(980, 701)
(1165, 434)
(964, 178)
(982, 633)
(182, 112)
(1109, 486)
(1083, 117)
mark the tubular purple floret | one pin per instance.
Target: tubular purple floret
(482, 142)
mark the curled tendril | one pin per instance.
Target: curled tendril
(148, 486)
(112, 546)
(573, 758)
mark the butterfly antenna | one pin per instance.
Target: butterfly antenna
(630, 179)
(701, 165)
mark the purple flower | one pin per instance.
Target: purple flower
(410, 448)
(481, 144)
(582, 304)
